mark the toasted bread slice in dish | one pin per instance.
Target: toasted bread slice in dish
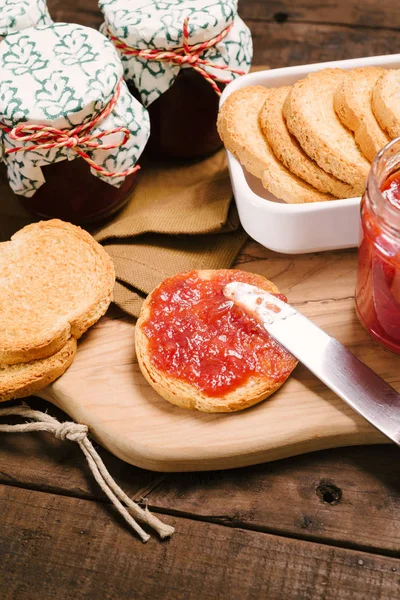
(24, 379)
(311, 118)
(386, 102)
(192, 343)
(240, 130)
(287, 149)
(353, 106)
(55, 282)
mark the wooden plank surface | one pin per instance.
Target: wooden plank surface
(42, 462)
(73, 548)
(320, 496)
(288, 44)
(348, 497)
(368, 14)
(43, 553)
(313, 32)
(357, 15)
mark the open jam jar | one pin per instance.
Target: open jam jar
(378, 280)
(177, 58)
(71, 131)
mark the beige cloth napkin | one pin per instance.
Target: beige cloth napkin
(178, 218)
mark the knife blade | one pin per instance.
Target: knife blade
(345, 374)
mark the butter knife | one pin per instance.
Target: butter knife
(328, 359)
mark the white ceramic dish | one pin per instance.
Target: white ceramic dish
(295, 228)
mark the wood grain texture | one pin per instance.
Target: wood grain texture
(40, 461)
(294, 497)
(128, 418)
(355, 14)
(289, 44)
(312, 33)
(66, 544)
(367, 14)
(83, 12)
(348, 497)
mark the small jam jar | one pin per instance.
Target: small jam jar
(378, 279)
(177, 58)
(16, 15)
(72, 132)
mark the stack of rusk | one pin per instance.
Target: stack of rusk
(55, 282)
(313, 141)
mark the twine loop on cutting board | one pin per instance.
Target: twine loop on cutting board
(78, 433)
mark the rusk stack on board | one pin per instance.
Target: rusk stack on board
(56, 281)
(313, 141)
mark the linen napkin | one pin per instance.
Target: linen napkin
(178, 218)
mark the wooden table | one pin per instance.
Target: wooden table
(320, 526)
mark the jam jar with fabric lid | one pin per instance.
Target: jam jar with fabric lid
(72, 133)
(16, 15)
(177, 57)
(378, 278)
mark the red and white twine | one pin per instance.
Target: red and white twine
(186, 55)
(78, 139)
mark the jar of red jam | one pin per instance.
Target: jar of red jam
(16, 15)
(177, 57)
(71, 131)
(378, 279)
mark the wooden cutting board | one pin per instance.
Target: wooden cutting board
(105, 390)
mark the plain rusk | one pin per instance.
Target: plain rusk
(311, 118)
(287, 149)
(55, 282)
(353, 105)
(240, 130)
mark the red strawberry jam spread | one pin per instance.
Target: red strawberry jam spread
(198, 336)
(378, 285)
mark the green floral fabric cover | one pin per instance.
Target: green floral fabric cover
(156, 24)
(20, 14)
(62, 75)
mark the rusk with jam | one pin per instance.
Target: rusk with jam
(200, 351)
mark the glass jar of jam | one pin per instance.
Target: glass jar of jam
(16, 15)
(175, 134)
(83, 200)
(378, 279)
(72, 132)
(177, 58)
